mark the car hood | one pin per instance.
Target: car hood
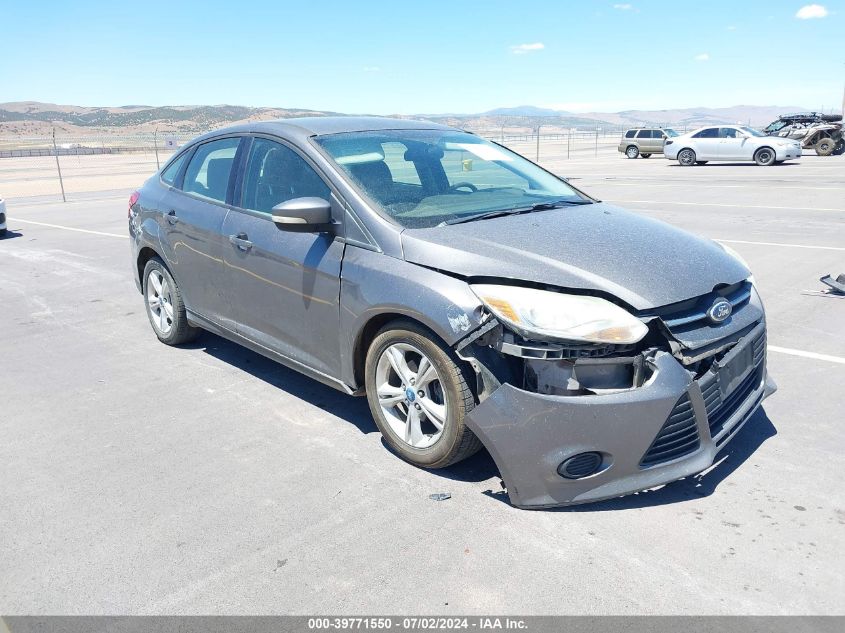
(644, 262)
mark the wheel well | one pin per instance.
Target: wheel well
(368, 333)
(759, 149)
(145, 255)
(632, 145)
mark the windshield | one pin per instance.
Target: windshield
(777, 125)
(751, 132)
(670, 132)
(423, 178)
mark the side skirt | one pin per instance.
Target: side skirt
(198, 321)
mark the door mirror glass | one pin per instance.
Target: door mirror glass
(302, 214)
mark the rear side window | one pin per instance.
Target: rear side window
(710, 132)
(169, 175)
(275, 173)
(210, 167)
(630, 133)
(644, 134)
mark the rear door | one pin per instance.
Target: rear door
(732, 145)
(284, 285)
(707, 143)
(192, 226)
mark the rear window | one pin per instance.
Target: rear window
(630, 133)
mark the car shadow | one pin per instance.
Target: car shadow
(748, 163)
(10, 234)
(348, 408)
(755, 432)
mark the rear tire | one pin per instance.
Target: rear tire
(686, 157)
(646, 155)
(765, 156)
(825, 146)
(165, 307)
(416, 435)
(632, 151)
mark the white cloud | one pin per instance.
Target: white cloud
(702, 57)
(810, 11)
(732, 28)
(522, 49)
(623, 7)
(371, 69)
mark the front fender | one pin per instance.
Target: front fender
(374, 284)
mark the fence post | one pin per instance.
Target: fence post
(537, 156)
(597, 141)
(58, 166)
(568, 141)
(155, 142)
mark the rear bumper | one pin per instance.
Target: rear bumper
(529, 434)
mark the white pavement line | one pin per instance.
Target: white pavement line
(824, 248)
(803, 354)
(67, 228)
(716, 204)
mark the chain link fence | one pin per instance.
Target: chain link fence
(63, 166)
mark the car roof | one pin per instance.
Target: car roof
(303, 127)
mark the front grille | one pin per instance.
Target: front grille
(692, 314)
(720, 410)
(678, 437)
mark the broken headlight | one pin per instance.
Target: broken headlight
(560, 316)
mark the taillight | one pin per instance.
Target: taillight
(132, 200)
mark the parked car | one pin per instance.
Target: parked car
(473, 297)
(731, 143)
(644, 141)
(814, 130)
(2, 217)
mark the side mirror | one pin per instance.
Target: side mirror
(302, 214)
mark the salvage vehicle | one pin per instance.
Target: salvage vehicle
(644, 141)
(731, 143)
(814, 130)
(474, 298)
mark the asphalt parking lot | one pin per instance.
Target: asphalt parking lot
(137, 478)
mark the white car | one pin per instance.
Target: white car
(730, 143)
(2, 217)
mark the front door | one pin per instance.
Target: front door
(192, 226)
(707, 144)
(732, 144)
(285, 286)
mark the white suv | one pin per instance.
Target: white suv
(2, 217)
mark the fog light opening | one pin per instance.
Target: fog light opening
(580, 465)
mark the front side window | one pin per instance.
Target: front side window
(710, 132)
(459, 175)
(729, 132)
(275, 173)
(210, 167)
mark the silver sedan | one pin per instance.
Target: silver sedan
(730, 143)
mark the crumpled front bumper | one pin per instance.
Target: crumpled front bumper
(530, 434)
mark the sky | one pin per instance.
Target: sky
(405, 57)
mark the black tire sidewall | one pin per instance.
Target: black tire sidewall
(628, 152)
(760, 151)
(440, 452)
(178, 314)
(690, 163)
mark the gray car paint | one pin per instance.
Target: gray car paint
(645, 263)
(369, 268)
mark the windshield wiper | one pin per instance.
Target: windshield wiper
(538, 206)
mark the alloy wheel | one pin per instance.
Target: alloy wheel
(411, 395)
(160, 302)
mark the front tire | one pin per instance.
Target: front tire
(686, 157)
(825, 146)
(632, 151)
(765, 156)
(419, 396)
(165, 307)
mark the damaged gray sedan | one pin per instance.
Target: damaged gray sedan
(474, 298)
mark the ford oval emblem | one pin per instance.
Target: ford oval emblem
(719, 311)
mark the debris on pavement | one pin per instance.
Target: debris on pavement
(440, 496)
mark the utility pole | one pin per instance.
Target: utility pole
(58, 167)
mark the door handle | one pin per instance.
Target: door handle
(241, 241)
(171, 216)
